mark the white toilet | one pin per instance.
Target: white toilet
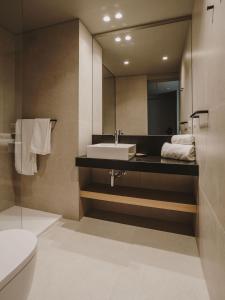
(17, 260)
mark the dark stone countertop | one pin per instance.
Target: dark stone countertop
(153, 164)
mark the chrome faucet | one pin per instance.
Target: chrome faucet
(118, 132)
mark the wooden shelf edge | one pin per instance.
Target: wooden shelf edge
(123, 199)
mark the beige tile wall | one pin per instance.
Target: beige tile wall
(57, 83)
(131, 104)
(186, 101)
(7, 116)
(85, 89)
(50, 89)
(97, 89)
(209, 93)
(109, 105)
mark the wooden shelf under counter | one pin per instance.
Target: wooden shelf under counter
(166, 200)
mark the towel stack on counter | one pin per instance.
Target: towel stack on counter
(33, 136)
(181, 148)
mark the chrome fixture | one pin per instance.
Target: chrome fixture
(116, 174)
(118, 132)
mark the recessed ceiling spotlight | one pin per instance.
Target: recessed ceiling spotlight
(106, 18)
(118, 39)
(118, 15)
(126, 62)
(165, 58)
(128, 37)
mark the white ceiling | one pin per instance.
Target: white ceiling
(145, 50)
(40, 13)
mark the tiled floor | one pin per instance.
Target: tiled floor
(31, 219)
(100, 260)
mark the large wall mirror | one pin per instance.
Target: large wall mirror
(146, 79)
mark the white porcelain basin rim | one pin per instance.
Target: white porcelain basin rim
(111, 151)
(111, 145)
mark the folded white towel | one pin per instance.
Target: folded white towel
(25, 161)
(177, 151)
(183, 139)
(41, 138)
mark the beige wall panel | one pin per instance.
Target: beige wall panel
(131, 105)
(186, 101)
(85, 89)
(50, 89)
(7, 116)
(109, 105)
(97, 89)
(209, 93)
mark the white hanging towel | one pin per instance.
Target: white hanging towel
(177, 151)
(183, 139)
(25, 161)
(41, 138)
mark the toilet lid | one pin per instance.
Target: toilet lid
(17, 247)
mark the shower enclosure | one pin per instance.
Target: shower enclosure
(10, 111)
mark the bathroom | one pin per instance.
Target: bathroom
(112, 146)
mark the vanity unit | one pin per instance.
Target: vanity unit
(145, 89)
(167, 202)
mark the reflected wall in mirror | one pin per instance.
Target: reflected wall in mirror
(109, 101)
(147, 83)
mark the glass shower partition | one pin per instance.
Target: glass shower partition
(10, 111)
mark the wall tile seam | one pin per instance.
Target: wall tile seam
(215, 107)
(212, 211)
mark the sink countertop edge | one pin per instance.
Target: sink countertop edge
(153, 164)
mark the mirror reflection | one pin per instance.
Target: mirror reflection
(147, 84)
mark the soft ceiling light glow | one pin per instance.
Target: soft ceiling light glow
(128, 37)
(126, 62)
(106, 19)
(118, 15)
(118, 39)
(165, 58)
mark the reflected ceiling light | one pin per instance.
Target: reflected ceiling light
(165, 58)
(118, 15)
(106, 18)
(118, 39)
(128, 37)
(126, 62)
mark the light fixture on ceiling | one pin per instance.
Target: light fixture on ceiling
(118, 15)
(128, 37)
(165, 58)
(106, 18)
(118, 39)
(126, 62)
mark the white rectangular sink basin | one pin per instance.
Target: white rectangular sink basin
(111, 151)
